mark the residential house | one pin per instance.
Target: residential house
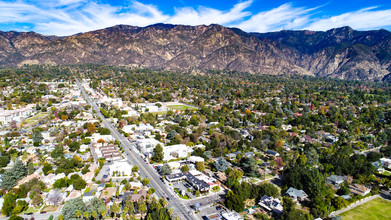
(359, 189)
(386, 163)
(73, 194)
(335, 180)
(108, 193)
(379, 166)
(296, 195)
(137, 196)
(271, 204)
(88, 196)
(273, 153)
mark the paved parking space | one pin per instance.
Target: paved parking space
(183, 186)
(104, 171)
(209, 210)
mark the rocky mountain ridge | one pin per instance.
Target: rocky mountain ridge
(341, 52)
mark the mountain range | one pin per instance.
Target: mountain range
(339, 53)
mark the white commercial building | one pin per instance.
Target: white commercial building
(146, 146)
(123, 168)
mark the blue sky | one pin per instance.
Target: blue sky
(67, 17)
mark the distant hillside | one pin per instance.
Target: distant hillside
(342, 52)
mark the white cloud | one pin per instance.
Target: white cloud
(66, 17)
(284, 16)
(367, 18)
(207, 16)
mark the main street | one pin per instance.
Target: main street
(146, 171)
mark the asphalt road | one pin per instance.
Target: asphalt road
(180, 209)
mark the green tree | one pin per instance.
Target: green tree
(290, 212)
(142, 207)
(74, 146)
(135, 168)
(30, 168)
(194, 120)
(46, 168)
(78, 214)
(234, 202)
(71, 207)
(58, 151)
(145, 181)
(158, 155)
(37, 136)
(86, 214)
(302, 160)
(8, 204)
(79, 184)
(15, 217)
(94, 215)
(37, 200)
(249, 166)
(96, 206)
(114, 209)
(185, 168)
(13, 175)
(200, 166)
(165, 169)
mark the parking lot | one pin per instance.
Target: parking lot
(210, 210)
(184, 186)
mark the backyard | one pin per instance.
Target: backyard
(377, 208)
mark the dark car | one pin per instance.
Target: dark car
(168, 198)
(30, 213)
(43, 212)
(218, 208)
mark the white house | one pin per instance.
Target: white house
(176, 151)
(195, 159)
(386, 163)
(51, 178)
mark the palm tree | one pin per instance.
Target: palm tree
(103, 213)
(164, 203)
(142, 208)
(126, 210)
(170, 211)
(78, 214)
(86, 214)
(94, 214)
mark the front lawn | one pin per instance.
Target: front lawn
(375, 209)
(33, 209)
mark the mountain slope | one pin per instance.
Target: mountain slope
(342, 52)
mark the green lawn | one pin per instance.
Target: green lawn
(33, 209)
(35, 118)
(387, 173)
(181, 107)
(375, 209)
